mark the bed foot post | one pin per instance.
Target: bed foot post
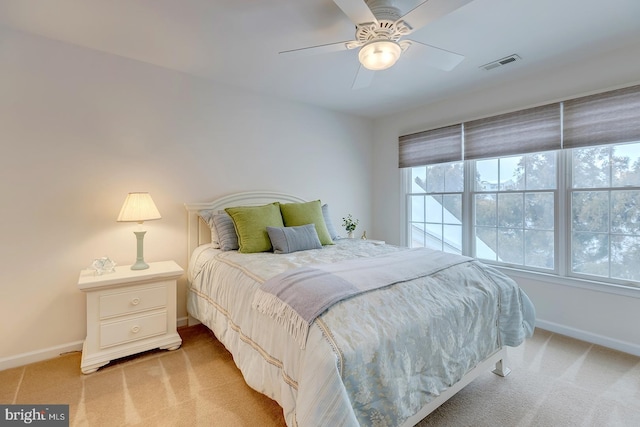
(501, 368)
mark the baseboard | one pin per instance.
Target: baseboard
(590, 337)
(55, 351)
(39, 355)
(192, 321)
(182, 321)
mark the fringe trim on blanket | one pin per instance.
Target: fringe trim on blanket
(283, 314)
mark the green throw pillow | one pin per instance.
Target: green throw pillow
(294, 214)
(251, 224)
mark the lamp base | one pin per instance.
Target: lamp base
(140, 264)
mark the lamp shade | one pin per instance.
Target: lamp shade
(379, 54)
(138, 207)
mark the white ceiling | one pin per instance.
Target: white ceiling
(237, 42)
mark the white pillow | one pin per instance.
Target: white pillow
(328, 222)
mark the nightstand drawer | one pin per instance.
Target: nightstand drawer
(132, 301)
(115, 333)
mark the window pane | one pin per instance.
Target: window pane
(434, 209)
(510, 245)
(433, 236)
(486, 244)
(538, 249)
(486, 175)
(453, 239)
(512, 173)
(417, 209)
(590, 254)
(538, 212)
(510, 210)
(486, 210)
(590, 167)
(419, 179)
(541, 171)
(625, 161)
(590, 211)
(625, 212)
(625, 257)
(454, 177)
(417, 235)
(435, 178)
(452, 204)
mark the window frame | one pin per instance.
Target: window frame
(568, 192)
(408, 182)
(470, 188)
(562, 273)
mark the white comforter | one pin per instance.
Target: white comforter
(374, 359)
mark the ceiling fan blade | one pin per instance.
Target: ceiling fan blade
(429, 11)
(357, 11)
(316, 50)
(434, 56)
(363, 79)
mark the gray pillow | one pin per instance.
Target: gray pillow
(328, 222)
(291, 239)
(227, 237)
(207, 216)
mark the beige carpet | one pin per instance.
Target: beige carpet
(556, 381)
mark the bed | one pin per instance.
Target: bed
(387, 352)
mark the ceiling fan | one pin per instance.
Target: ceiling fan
(379, 33)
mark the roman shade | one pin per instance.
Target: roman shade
(525, 131)
(605, 118)
(430, 147)
(611, 117)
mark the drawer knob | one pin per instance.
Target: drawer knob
(135, 301)
(135, 329)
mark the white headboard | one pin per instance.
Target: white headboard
(199, 232)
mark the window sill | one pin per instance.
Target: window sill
(591, 285)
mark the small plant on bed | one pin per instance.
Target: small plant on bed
(349, 224)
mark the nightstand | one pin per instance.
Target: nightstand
(129, 311)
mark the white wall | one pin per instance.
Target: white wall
(80, 129)
(602, 318)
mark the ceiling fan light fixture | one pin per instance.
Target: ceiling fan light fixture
(379, 54)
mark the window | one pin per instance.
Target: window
(552, 189)
(513, 205)
(514, 201)
(436, 207)
(605, 211)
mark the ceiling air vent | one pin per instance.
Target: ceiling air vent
(500, 62)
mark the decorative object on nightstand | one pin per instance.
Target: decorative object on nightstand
(129, 311)
(349, 224)
(364, 235)
(139, 207)
(103, 265)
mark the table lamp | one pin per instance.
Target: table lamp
(139, 207)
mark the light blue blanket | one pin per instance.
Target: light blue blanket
(297, 297)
